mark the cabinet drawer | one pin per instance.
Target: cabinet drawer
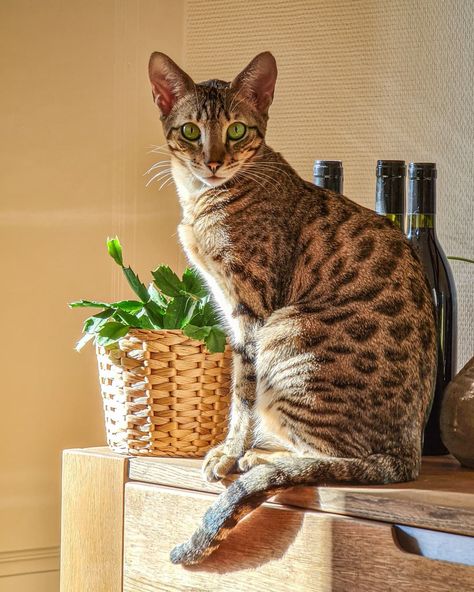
(277, 548)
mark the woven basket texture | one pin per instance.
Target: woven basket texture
(164, 394)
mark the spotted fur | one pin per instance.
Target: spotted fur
(328, 310)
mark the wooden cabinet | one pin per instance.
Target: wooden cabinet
(415, 537)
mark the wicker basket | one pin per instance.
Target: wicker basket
(164, 394)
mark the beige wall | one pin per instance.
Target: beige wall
(359, 81)
(77, 122)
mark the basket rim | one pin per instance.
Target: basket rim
(140, 331)
(157, 334)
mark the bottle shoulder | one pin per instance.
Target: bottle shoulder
(434, 260)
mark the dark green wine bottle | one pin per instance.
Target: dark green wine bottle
(390, 191)
(328, 174)
(421, 232)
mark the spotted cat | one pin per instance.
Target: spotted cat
(329, 314)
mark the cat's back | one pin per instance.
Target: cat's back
(358, 264)
(345, 245)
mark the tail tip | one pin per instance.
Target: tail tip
(183, 555)
(178, 554)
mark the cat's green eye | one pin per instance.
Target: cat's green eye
(190, 131)
(236, 130)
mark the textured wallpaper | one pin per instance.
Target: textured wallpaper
(358, 81)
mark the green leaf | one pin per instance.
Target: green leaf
(89, 304)
(115, 250)
(188, 314)
(209, 315)
(136, 285)
(194, 332)
(216, 340)
(213, 337)
(132, 306)
(129, 319)
(83, 340)
(145, 322)
(167, 281)
(94, 323)
(155, 314)
(111, 332)
(156, 296)
(179, 312)
(205, 315)
(193, 284)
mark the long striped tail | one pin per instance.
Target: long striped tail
(264, 481)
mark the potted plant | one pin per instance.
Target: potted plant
(164, 364)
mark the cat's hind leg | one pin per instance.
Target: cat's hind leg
(304, 392)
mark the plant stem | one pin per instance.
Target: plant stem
(461, 259)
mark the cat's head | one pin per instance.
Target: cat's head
(214, 128)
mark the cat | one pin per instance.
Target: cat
(329, 314)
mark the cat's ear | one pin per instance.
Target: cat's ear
(168, 82)
(257, 81)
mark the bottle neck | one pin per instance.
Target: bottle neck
(390, 195)
(421, 217)
(328, 174)
(333, 183)
(390, 198)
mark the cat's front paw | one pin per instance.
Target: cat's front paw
(260, 456)
(251, 459)
(218, 463)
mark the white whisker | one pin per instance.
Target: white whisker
(268, 168)
(262, 177)
(250, 177)
(163, 172)
(164, 152)
(157, 176)
(157, 165)
(166, 181)
(157, 148)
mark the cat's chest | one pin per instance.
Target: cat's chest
(206, 245)
(205, 242)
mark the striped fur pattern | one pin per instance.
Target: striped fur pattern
(327, 306)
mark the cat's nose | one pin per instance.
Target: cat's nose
(214, 165)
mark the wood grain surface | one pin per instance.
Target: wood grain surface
(278, 548)
(442, 498)
(92, 520)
